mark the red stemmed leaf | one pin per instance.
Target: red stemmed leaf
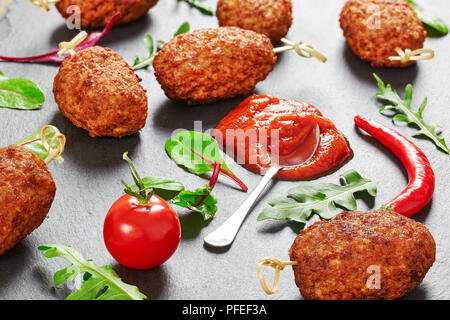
(52, 56)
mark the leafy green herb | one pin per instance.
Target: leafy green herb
(150, 45)
(404, 112)
(100, 283)
(20, 94)
(184, 28)
(198, 4)
(197, 153)
(322, 199)
(166, 188)
(34, 144)
(435, 26)
(200, 200)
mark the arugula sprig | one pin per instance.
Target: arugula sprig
(20, 93)
(200, 200)
(434, 25)
(150, 45)
(322, 199)
(99, 283)
(404, 112)
(198, 5)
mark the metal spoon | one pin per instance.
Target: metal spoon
(225, 234)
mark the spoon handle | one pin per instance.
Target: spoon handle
(225, 234)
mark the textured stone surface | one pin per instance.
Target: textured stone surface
(89, 180)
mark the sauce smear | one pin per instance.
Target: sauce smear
(262, 125)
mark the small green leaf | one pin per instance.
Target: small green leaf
(166, 188)
(197, 153)
(160, 44)
(322, 199)
(150, 45)
(185, 27)
(198, 4)
(2, 76)
(148, 41)
(435, 26)
(406, 114)
(191, 200)
(400, 118)
(20, 93)
(100, 283)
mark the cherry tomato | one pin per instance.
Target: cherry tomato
(141, 236)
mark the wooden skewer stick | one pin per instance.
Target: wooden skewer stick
(54, 153)
(408, 55)
(68, 47)
(278, 265)
(43, 3)
(302, 49)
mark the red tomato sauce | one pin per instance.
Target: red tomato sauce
(258, 115)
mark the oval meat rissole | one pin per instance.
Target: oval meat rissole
(208, 65)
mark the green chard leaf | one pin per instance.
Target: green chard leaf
(322, 199)
(435, 26)
(197, 153)
(150, 45)
(404, 112)
(200, 201)
(100, 283)
(34, 144)
(20, 93)
(166, 188)
(198, 4)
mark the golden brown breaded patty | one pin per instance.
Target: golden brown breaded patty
(334, 256)
(26, 194)
(212, 64)
(99, 92)
(270, 17)
(374, 28)
(97, 13)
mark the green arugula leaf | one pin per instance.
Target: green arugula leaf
(322, 199)
(150, 45)
(20, 93)
(2, 76)
(197, 153)
(198, 4)
(435, 26)
(100, 283)
(406, 114)
(34, 144)
(191, 199)
(184, 28)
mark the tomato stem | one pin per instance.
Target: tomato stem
(141, 194)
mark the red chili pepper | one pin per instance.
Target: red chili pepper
(421, 176)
